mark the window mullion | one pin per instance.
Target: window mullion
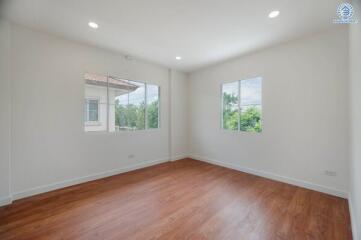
(107, 106)
(222, 107)
(145, 107)
(239, 105)
(158, 107)
(87, 110)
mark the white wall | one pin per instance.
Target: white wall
(179, 108)
(49, 145)
(5, 106)
(305, 113)
(355, 166)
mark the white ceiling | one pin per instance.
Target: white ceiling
(203, 32)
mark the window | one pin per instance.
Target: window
(128, 105)
(92, 110)
(242, 105)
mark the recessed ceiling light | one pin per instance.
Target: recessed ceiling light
(178, 57)
(93, 25)
(274, 14)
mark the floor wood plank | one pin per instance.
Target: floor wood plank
(186, 199)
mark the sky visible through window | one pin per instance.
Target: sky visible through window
(251, 92)
(137, 97)
(138, 109)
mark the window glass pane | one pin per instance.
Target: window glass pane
(116, 104)
(95, 106)
(152, 106)
(126, 105)
(136, 107)
(230, 105)
(251, 105)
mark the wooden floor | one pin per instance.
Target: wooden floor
(182, 200)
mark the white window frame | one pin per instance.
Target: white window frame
(87, 122)
(95, 123)
(239, 105)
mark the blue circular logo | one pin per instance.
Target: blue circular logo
(345, 11)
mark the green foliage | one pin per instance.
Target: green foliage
(250, 119)
(153, 114)
(230, 113)
(229, 100)
(132, 117)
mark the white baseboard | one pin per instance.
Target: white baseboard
(276, 177)
(66, 183)
(5, 201)
(179, 157)
(74, 181)
(353, 218)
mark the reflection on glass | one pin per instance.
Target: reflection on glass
(95, 107)
(116, 104)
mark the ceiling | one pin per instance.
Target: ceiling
(203, 32)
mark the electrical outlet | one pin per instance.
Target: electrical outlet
(330, 173)
(131, 156)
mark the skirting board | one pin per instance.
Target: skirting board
(179, 157)
(58, 185)
(292, 181)
(5, 201)
(353, 218)
(67, 183)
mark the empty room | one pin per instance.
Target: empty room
(180, 119)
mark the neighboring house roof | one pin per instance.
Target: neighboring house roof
(100, 80)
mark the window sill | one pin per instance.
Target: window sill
(90, 124)
(238, 131)
(104, 132)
